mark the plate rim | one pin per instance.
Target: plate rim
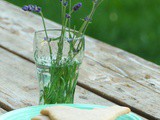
(85, 106)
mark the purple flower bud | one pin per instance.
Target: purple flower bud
(37, 9)
(77, 6)
(30, 8)
(60, 0)
(33, 8)
(87, 19)
(68, 16)
(45, 38)
(25, 8)
(65, 3)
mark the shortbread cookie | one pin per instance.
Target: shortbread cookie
(70, 113)
(41, 117)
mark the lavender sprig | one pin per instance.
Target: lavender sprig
(65, 18)
(87, 19)
(63, 72)
(77, 6)
(84, 26)
(32, 8)
(37, 9)
(66, 14)
(65, 3)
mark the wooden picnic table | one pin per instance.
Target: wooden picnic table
(108, 75)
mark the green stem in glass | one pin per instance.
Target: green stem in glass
(49, 45)
(62, 85)
(61, 42)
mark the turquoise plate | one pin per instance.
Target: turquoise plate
(29, 112)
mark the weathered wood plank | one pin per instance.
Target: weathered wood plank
(128, 65)
(2, 111)
(19, 86)
(20, 33)
(121, 90)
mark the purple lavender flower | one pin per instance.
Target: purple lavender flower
(37, 9)
(77, 6)
(45, 38)
(33, 8)
(68, 16)
(25, 8)
(30, 8)
(65, 3)
(87, 19)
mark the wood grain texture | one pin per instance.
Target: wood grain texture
(20, 87)
(128, 65)
(108, 71)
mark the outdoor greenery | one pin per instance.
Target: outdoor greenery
(132, 25)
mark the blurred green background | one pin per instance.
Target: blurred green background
(132, 25)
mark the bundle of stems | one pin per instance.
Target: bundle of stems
(64, 72)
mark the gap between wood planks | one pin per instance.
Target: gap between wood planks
(125, 76)
(97, 92)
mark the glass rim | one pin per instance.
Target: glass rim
(77, 38)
